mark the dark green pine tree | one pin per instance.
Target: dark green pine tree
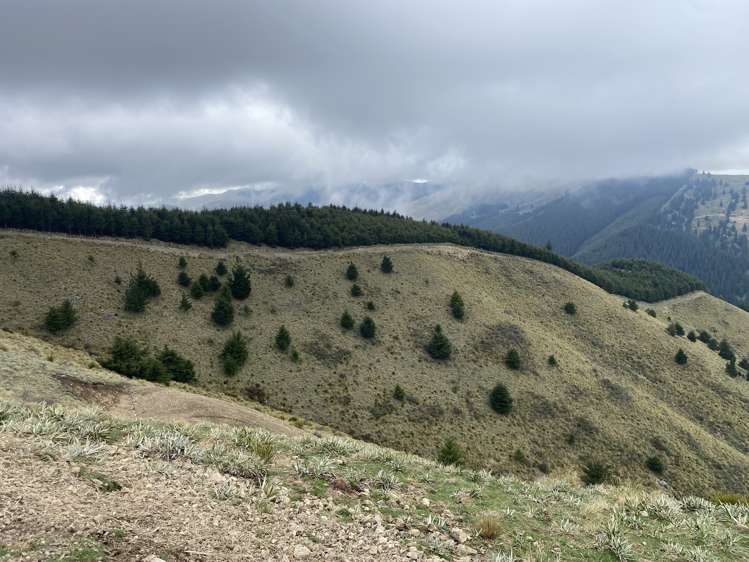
(184, 303)
(387, 265)
(500, 400)
(347, 322)
(221, 268)
(184, 279)
(239, 282)
(61, 317)
(352, 274)
(512, 360)
(439, 346)
(367, 328)
(223, 311)
(182, 264)
(196, 291)
(283, 339)
(457, 307)
(681, 357)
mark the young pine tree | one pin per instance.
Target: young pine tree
(457, 307)
(239, 282)
(185, 304)
(451, 453)
(356, 290)
(235, 354)
(221, 268)
(177, 367)
(61, 317)
(512, 360)
(196, 291)
(500, 400)
(223, 311)
(347, 322)
(352, 274)
(439, 346)
(184, 279)
(182, 263)
(367, 328)
(681, 357)
(283, 339)
(387, 265)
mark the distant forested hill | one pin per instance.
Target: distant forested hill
(694, 222)
(297, 226)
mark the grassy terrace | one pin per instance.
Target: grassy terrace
(431, 511)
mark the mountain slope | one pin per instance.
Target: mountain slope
(693, 222)
(616, 395)
(83, 485)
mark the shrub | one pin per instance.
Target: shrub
(185, 304)
(651, 312)
(439, 346)
(570, 308)
(347, 322)
(457, 307)
(595, 473)
(552, 361)
(675, 329)
(221, 268)
(512, 360)
(680, 357)
(118, 280)
(367, 328)
(295, 356)
(204, 283)
(61, 317)
(177, 367)
(182, 263)
(235, 353)
(288, 282)
(655, 464)
(13, 255)
(356, 290)
(370, 305)
(744, 364)
(451, 453)
(223, 311)
(489, 527)
(631, 305)
(352, 274)
(691, 336)
(398, 393)
(239, 282)
(500, 400)
(705, 336)
(283, 339)
(387, 265)
(713, 344)
(184, 279)
(196, 291)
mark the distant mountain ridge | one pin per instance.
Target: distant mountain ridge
(690, 221)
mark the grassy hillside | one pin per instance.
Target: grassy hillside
(296, 226)
(616, 395)
(80, 484)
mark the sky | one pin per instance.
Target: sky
(185, 102)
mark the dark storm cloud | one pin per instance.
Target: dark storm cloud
(144, 100)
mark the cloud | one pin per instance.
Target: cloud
(147, 101)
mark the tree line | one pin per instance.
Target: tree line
(297, 226)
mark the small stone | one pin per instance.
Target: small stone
(465, 550)
(425, 502)
(414, 532)
(301, 552)
(458, 535)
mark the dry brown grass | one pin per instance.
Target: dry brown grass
(694, 416)
(489, 526)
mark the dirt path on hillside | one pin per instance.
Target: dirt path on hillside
(166, 404)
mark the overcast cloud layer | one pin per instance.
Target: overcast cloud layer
(157, 101)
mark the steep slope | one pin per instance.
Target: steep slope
(700, 311)
(616, 395)
(80, 485)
